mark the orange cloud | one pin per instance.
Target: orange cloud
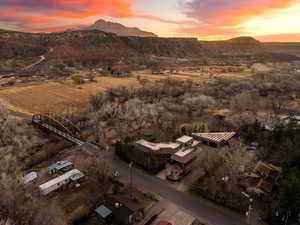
(280, 38)
(210, 31)
(225, 15)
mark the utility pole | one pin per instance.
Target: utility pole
(288, 214)
(248, 213)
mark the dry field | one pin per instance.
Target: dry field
(194, 76)
(56, 96)
(59, 96)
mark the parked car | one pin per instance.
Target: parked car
(116, 174)
(162, 222)
(253, 146)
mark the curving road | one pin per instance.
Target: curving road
(42, 58)
(191, 204)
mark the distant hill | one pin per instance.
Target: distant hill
(94, 48)
(235, 46)
(119, 29)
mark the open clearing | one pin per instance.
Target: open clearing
(58, 96)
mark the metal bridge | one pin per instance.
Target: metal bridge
(58, 125)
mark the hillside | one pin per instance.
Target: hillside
(119, 29)
(240, 45)
(52, 54)
(288, 48)
(88, 48)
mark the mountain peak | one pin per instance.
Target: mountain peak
(119, 29)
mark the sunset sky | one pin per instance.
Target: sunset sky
(267, 20)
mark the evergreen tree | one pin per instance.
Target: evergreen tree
(289, 194)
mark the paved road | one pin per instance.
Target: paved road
(195, 206)
(18, 114)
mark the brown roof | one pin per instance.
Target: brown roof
(163, 223)
(267, 170)
(265, 185)
(264, 177)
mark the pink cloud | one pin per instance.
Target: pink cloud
(223, 16)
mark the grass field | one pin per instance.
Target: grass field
(52, 96)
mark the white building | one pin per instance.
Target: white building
(160, 148)
(184, 156)
(58, 182)
(30, 177)
(185, 140)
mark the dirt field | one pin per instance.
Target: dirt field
(195, 76)
(51, 96)
(56, 96)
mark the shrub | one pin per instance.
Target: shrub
(77, 79)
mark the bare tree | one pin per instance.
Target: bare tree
(100, 170)
(197, 103)
(8, 128)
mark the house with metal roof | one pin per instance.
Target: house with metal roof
(119, 211)
(60, 166)
(104, 214)
(73, 176)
